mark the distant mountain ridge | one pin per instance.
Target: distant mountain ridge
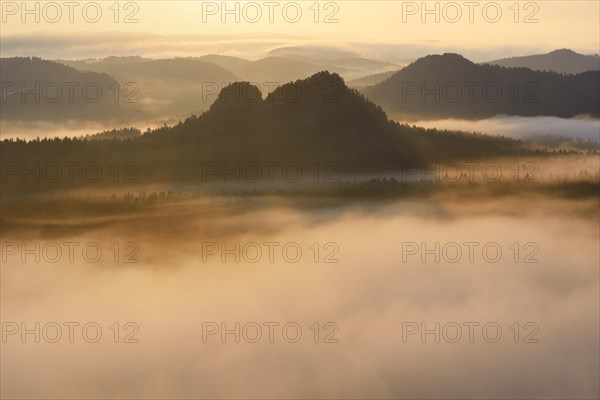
(370, 80)
(136, 68)
(177, 87)
(165, 87)
(37, 89)
(450, 86)
(181, 86)
(563, 60)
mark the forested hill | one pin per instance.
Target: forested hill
(450, 86)
(316, 120)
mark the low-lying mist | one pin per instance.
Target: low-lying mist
(30, 130)
(542, 130)
(366, 272)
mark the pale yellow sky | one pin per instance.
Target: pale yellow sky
(509, 25)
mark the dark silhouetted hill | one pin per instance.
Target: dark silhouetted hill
(309, 122)
(450, 86)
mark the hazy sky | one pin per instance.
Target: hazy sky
(482, 30)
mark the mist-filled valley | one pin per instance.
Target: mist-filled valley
(351, 266)
(234, 275)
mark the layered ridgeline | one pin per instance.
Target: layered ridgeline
(449, 85)
(165, 87)
(133, 88)
(182, 86)
(563, 61)
(316, 121)
(154, 89)
(34, 89)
